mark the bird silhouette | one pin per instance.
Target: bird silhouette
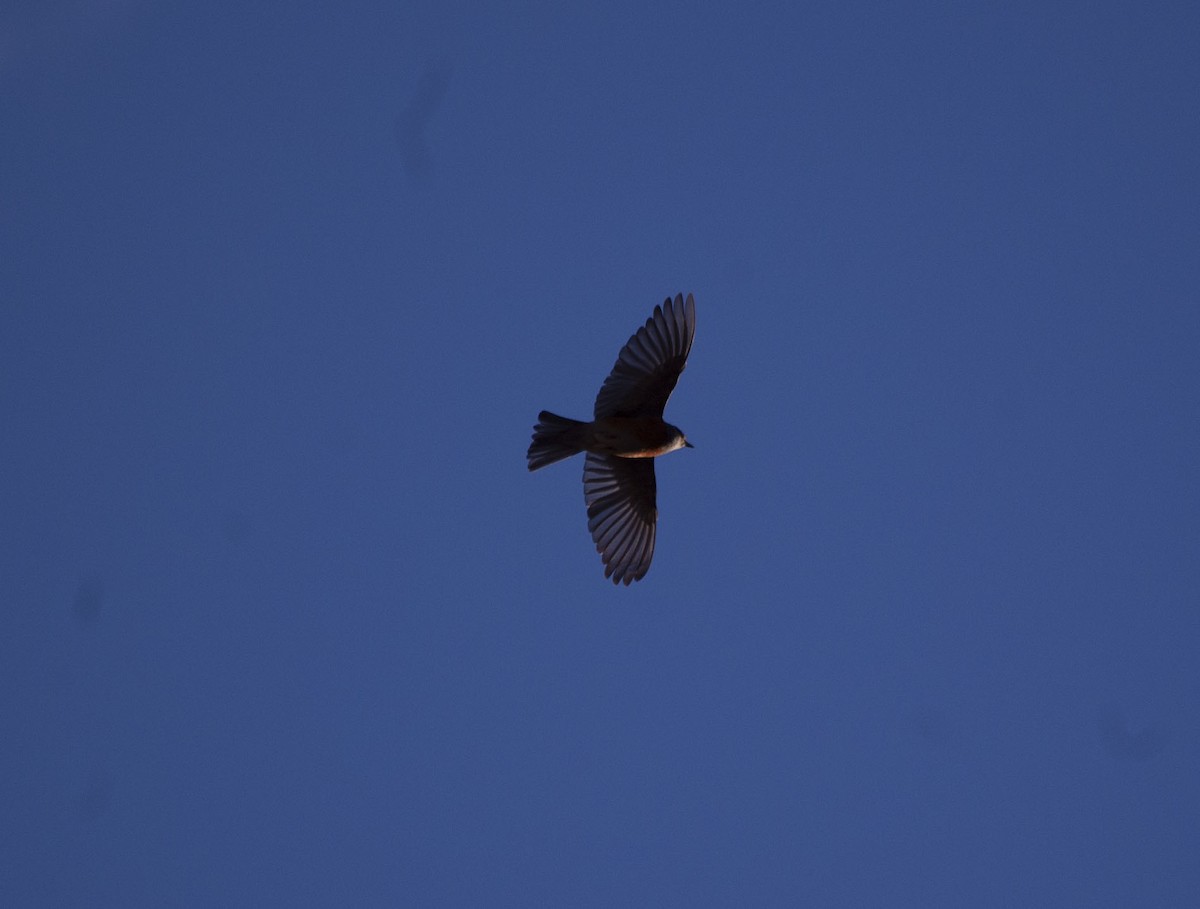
(625, 435)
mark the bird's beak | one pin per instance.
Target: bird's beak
(687, 444)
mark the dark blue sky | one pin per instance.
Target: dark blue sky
(284, 620)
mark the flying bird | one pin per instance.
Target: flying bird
(626, 433)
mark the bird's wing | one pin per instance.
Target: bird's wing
(650, 363)
(621, 513)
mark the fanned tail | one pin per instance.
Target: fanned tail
(554, 438)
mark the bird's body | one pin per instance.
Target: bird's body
(623, 437)
(627, 432)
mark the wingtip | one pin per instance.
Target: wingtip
(681, 306)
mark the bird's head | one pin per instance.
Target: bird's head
(678, 439)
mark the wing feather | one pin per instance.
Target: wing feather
(620, 496)
(649, 364)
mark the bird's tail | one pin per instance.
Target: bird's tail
(554, 438)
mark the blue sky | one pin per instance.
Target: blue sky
(284, 620)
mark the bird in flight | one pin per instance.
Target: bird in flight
(626, 433)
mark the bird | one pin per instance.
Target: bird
(626, 433)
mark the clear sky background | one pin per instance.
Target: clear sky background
(284, 620)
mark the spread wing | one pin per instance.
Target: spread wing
(621, 513)
(650, 363)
